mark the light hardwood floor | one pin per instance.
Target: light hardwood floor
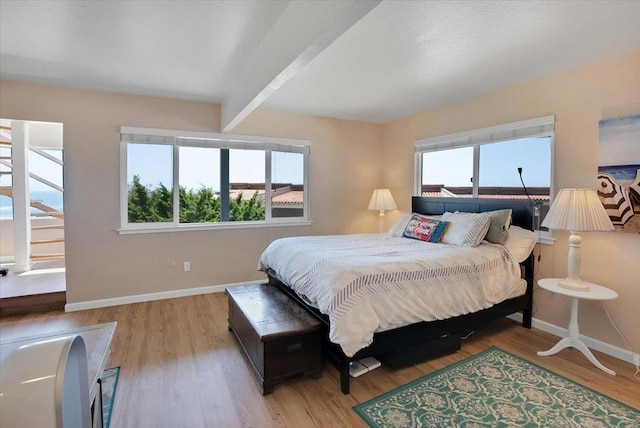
(181, 367)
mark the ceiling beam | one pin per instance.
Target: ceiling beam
(300, 34)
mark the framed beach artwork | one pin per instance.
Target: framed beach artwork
(619, 171)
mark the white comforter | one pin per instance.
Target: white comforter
(373, 282)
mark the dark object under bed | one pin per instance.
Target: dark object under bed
(418, 342)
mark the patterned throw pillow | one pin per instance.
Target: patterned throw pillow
(424, 228)
(465, 229)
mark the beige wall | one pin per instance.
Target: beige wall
(578, 99)
(345, 168)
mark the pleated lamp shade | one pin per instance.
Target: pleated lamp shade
(381, 200)
(578, 210)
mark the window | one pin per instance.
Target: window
(46, 187)
(287, 195)
(484, 163)
(149, 178)
(199, 185)
(247, 185)
(45, 181)
(438, 175)
(178, 179)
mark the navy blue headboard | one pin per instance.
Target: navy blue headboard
(522, 210)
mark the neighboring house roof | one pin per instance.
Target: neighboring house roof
(246, 193)
(293, 197)
(284, 194)
(443, 195)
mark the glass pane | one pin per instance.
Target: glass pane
(447, 172)
(499, 177)
(287, 190)
(6, 207)
(246, 185)
(149, 183)
(499, 163)
(56, 153)
(46, 169)
(199, 180)
(6, 179)
(44, 199)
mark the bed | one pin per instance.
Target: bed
(400, 340)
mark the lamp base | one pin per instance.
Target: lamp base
(574, 284)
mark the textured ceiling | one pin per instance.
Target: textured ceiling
(400, 58)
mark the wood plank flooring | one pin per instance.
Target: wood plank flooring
(181, 367)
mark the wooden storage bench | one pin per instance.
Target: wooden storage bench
(280, 338)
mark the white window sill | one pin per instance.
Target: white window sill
(546, 240)
(212, 226)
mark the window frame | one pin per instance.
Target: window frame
(542, 127)
(177, 139)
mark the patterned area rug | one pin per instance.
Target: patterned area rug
(109, 386)
(495, 388)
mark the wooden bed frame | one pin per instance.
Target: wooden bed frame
(424, 340)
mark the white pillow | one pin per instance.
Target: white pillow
(400, 225)
(499, 223)
(520, 243)
(465, 229)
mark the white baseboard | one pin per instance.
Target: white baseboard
(7, 259)
(139, 298)
(598, 345)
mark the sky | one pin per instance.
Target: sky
(499, 164)
(619, 141)
(199, 166)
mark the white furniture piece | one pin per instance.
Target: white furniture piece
(595, 292)
(97, 341)
(45, 384)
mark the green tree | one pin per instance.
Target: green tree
(235, 211)
(207, 207)
(198, 206)
(139, 206)
(162, 204)
(252, 209)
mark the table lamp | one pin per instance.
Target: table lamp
(381, 201)
(576, 210)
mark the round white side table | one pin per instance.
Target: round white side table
(596, 292)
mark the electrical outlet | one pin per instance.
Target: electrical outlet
(187, 266)
(636, 360)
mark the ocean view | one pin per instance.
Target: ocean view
(620, 172)
(53, 199)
